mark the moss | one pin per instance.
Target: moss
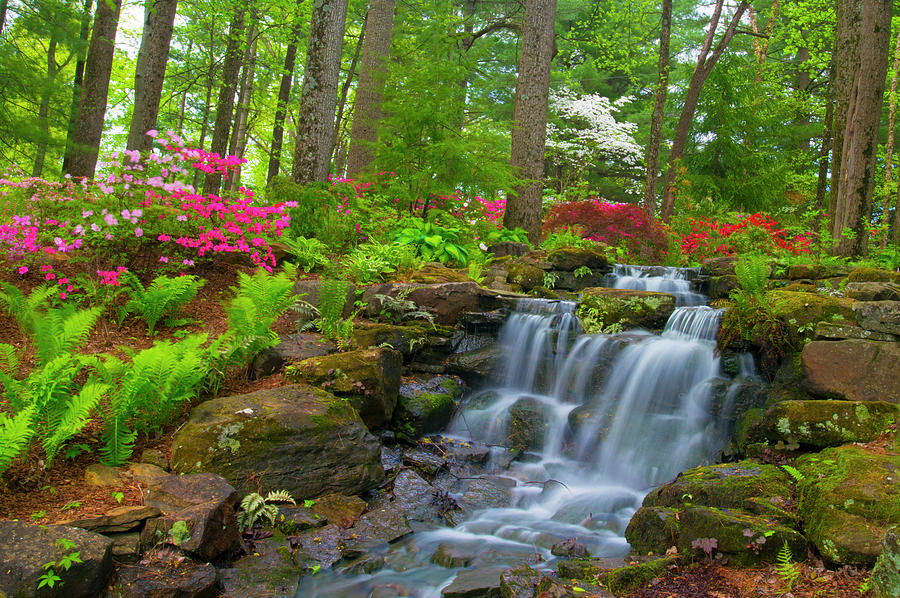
(886, 573)
(435, 273)
(570, 259)
(611, 310)
(525, 275)
(624, 580)
(582, 569)
(862, 274)
(820, 424)
(800, 309)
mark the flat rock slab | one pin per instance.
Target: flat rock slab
(475, 583)
(120, 519)
(878, 316)
(854, 370)
(172, 578)
(25, 548)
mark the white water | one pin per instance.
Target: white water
(643, 403)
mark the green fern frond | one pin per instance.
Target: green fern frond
(163, 299)
(58, 331)
(786, 569)
(73, 419)
(794, 473)
(118, 442)
(15, 434)
(9, 359)
(23, 308)
(752, 272)
(280, 496)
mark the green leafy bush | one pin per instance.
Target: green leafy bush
(24, 308)
(309, 253)
(163, 299)
(434, 242)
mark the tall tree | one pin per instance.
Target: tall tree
(150, 71)
(4, 4)
(284, 95)
(659, 108)
(318, 97)
(706, 60)
(848, 15)
(225, 104)
(367, 109)
(889, 146)
(237, 145)
(529, 133)
(853, 200)
(78, 81)
(92, 107)
(338, 144)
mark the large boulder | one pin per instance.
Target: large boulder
(863, 274)
(25, 549)
(820, 424)
(718, 266)
(886, 572)
(856, 370)
(296, 438)
(799, 310)
(171, 576)
(436, 273)
(369, 379)
(570, 259)
(602, 309)
(199, 515)
(878, 316)
(849, 496)
(290, 348)
(416, 340)
(524, 274)
(842, 330)
(873, 291)
(426, 404)
(444, 300)
(477, 365)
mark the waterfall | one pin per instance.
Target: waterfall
(662, 279)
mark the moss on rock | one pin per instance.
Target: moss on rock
(610, 310)
(862, 274)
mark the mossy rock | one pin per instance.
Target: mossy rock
(624, 580)
(758, 488)
(862, 274)
(368, 378)
(853, 370)
(525, 275)
(295, 438)
(886, 572)
(426, 404)
(820, 424)
(611, 310)
(436, 272)
(721, 286)
(849, 497)
(570, 259)
(410, 338)
(745, 539)
(528, 423)
(799, 310)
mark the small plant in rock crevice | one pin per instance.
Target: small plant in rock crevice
(254, 507)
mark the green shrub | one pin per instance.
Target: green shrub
(162, 300)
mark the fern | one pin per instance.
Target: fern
(786, 569)
(332, 298)
(59, 331)
(163, 299)
(752, 273)
(9, 359)
(15, 433)
(23, 308)
(794, 473)
(118, 442)
(70, 421)
(254, 506)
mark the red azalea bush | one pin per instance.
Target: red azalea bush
(755, 232)
(622, 225)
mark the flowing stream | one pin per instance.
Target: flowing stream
(617, 415)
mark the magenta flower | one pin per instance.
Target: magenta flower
(23, 269)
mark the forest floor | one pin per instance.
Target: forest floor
(33, 493)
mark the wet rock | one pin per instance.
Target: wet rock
(527, 424)
(743, 538)
(720, 287)
(451, 556)
(755, 487)
(321, 546)
(863, 274)
(119, 519)
(799, 310)
(126, 547)
(854, 370)
(342, 510)
(572, 258)
(571, 548)
(624, 580)
(155, 457)
(603, 309)
(475, 366)
(445, 300)
(849, 497)
(588, 568)
(821, 424)
(204, 504)
(436, 272)
(26, 548)
(523, 274)
(375, 528)
(426, 404)
(415, 497)
(525, 582)
(293, 518)
(878, 316)
(886, 573)
(509, 248)
(272, 569)
(146, 473)
(873, 291)
(426, 462)
(369, 379)
(718, 266)
(290, 348)
(844, 331)
(309, 290)
(475, 583)
(413, 339)
(480, 493)
(295, 438)
(173, 576)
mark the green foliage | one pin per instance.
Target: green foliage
(399, 308)
(25, 309)
(307, 217)
(752, 273)
(15, 434)
(786, 569)
(309, 253)
(370, 261)
(69, 556)
(254, 506)
(179, 533)
(59, 331)
(74, 415)
(434, 242)
(331, 323)
(794, 473)
(505, 235)
(163, 299)
(566, 238)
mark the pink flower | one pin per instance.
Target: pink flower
(138, 232)
(23, 269)
(164, 259)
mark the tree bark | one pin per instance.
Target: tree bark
(705, 63)
(284, 95)
(238, 143)
(43, 111)
(78, 81)
(150, 71)
(92, 107)
(372, 73)
(659, 108)
(4, 4)
(889, 146)
(225, 104)
(825, 149)
(857, 172)
(318, 98)
(342, 103)
(529, 133)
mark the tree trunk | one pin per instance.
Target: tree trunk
(284, 95)
(318, 98)
(150, 71)
(529, 133)
(78, 81)
(3, 6)
(889, 146)
(183, 104)
(372, 73)
(342, 103)
(204, 121)
(857, 172)
(238, 144)
(225, 105)
(659, 109)
(44, 110)
(825, 149)
(844, 59)
(802, 86)
(92, 107)
(705, 63)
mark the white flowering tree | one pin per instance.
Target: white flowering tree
(586, 142)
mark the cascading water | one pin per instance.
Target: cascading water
(663, 279)
(616, 415)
